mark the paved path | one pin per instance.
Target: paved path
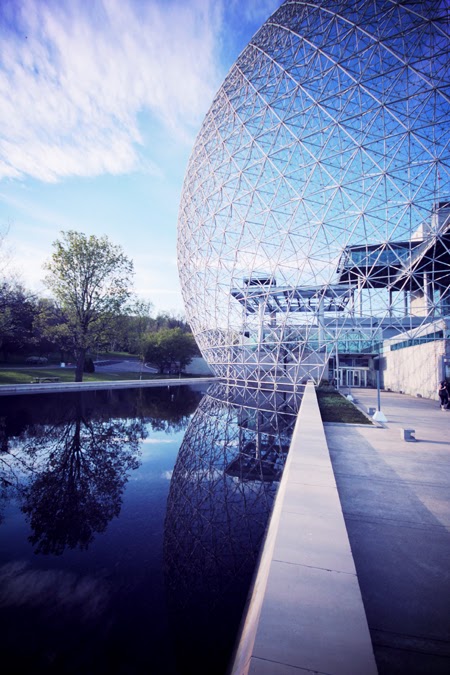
(396, 501)
(128, 366)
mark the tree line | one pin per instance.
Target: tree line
(92, 308)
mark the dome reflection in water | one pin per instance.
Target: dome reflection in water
(221, 495)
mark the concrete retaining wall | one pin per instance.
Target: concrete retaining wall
(51, 388)
(305, 610)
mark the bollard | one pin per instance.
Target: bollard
(407, 434)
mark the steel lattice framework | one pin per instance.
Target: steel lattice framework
(221, 495)
(315, 210)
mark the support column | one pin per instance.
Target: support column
(320, 321)
(426, 293)
(260, 323)
(360, 296)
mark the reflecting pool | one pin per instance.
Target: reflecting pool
(130, 525)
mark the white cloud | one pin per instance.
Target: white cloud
(157, 441)
(74, 77)
(56, 589)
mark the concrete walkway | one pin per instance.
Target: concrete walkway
(395, 497)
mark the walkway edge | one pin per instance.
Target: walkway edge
(51, 388)
(305, 610)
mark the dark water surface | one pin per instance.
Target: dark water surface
(130, 525)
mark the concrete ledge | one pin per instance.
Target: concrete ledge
(12, 389)
(305, 611)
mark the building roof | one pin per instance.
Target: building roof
(398, 265)
(292, 299)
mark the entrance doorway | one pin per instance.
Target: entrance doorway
(353, 377)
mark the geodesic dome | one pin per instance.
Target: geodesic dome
(314, 217)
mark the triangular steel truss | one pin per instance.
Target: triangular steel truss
(316, 202)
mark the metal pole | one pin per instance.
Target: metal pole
(337, 365)
(379, 415)
(378, 391)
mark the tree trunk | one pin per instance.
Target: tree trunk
(80, 365)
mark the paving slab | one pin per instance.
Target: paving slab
(319, 622)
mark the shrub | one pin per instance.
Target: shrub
(37, 360)
(89, 366)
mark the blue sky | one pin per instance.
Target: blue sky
(100, 104)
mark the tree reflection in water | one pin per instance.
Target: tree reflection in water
(73, 472)
(68, 464)
(85, 466)
(221, 495)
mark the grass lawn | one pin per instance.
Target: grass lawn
(336, 408)
(26, 375)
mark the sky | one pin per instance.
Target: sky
(100, 105)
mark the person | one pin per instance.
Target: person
(443, 394)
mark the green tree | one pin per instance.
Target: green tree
(170, 349)
(50, 330)
(169, 320)
(17, 312)
(91, 281)
(134, 326)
